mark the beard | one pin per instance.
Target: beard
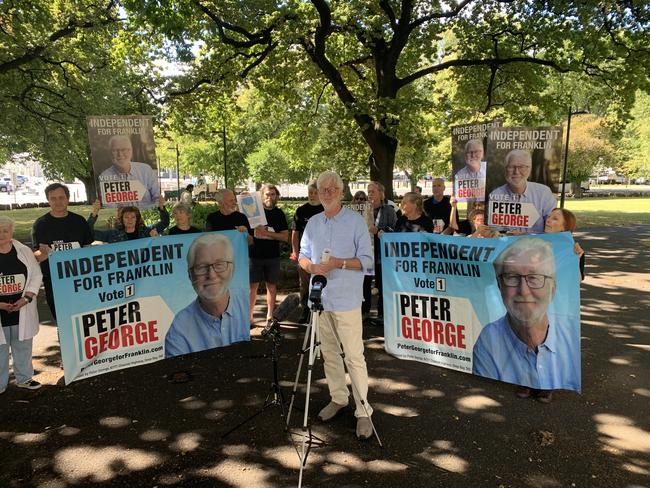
(526, 316)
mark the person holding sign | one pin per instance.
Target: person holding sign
(345, 234)
(130, 224)
(529, 346)
(57, 230)
(217, 317)
(127, 182)
(520, 205)
(437, 206)
(20, 281)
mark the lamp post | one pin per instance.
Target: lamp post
(178, 179)
(566, 152)
(225, 156)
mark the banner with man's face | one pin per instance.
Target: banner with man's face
(522, 177)
(136, 302)
(124, 160)
(468, 160)
(507, 308)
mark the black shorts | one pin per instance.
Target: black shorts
(267, 270)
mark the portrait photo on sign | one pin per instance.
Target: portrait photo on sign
(468, 160)
(523, 172)
(124, 160)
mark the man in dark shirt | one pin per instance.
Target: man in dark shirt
(437, 207)
(228, 217)
(57, 230)
(265, 252)
(300, 219)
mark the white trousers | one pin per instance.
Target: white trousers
(348, 325)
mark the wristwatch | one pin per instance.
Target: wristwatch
(28, 298)
(345, 264)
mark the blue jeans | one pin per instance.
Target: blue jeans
(21, 352)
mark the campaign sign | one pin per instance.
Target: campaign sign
(506, 308)
(365, 210)
(250, 204)
(123, 153)
(468, 161)
(524, 168)
(131, 303)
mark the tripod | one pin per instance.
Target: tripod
(313, 332)
(275, 397)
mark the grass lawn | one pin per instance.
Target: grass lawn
(606, 212)
(591, 212)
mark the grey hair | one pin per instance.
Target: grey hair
(7, 222)
(326, 176)
(210, 240)
(540, 247)
(518, 152)
(183, 207)
(119, 136)
(416, 198)
(379, 186)
(221, 193)
(312, 186)
(474, 142)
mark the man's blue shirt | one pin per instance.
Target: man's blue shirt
(141, 172)
(346, 235)
(499, 354)
(537, 194)
(193, 329)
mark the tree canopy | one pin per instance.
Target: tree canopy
(502, 54)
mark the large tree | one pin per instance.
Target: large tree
(59, 62)
(370, 51)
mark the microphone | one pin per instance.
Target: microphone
(288, 305)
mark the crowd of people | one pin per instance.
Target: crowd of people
(321, 223)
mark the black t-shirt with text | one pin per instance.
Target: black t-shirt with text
(60, 233)
(13, 278)
(276, 221)
(421, 224)
(303, 214)
(438, 210)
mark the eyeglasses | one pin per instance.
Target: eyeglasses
(125, 150)
(534, 281)
(328, 191)
(520, 168)
(360, 199)
(217, 267)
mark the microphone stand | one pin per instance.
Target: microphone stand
(275, 396)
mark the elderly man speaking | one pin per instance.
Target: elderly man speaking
(345, 233)
(529, 346)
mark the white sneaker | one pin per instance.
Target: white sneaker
(30, 385)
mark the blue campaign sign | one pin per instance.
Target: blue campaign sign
(505, 308)
(135, 302)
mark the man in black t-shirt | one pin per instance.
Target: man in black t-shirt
(265, 253)
(437, 207)
(300, 219)
(57, 230)
(228, 217)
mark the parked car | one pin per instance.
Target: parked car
(5, 185)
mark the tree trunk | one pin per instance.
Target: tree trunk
(382, 161)
(91, 188)
(347, 193)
